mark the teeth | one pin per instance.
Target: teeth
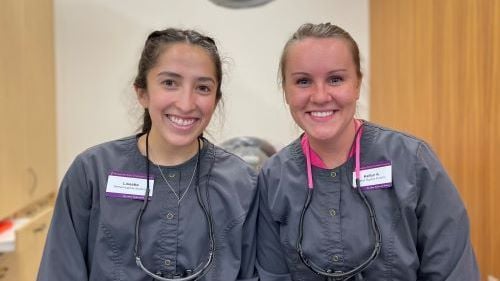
(181, 121)
(321, 113)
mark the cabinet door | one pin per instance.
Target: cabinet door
(23, 264)
(13, 119)
(3, 103)
(27, 145)
(8, 269)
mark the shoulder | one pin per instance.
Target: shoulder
(232, 161)
(388, 134)
(413, 160)
(107, 152)
(227, 157)
(124, 147)
(121, 145)
(403, 149)
(231, 176)
(289, 161)
(230, 168)
(290, 155)
(387, 140)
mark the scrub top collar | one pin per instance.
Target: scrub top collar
(368, 137)
(207, 147)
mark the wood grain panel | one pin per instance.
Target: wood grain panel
(435, 67)
(492, 99)
(12, 142)
(28, 144)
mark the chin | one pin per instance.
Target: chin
(181, 141)
(322, 136)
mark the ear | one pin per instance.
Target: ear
(360, 81)
(285, 97)
(283, 90)
(142, 96)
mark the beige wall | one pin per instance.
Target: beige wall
(98, 44)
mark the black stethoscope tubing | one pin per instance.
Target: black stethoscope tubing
(339, 275)
(208, 215)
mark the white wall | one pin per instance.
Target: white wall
(98, 43)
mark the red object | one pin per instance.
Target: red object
(5, 225)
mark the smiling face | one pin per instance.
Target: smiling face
(321, 87)
(180, 95)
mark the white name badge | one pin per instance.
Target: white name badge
(128, 186)
(375, 176)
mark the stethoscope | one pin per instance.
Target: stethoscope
(189, 274)
(356, 271)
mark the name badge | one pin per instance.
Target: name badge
(128, 186)
(375, 176)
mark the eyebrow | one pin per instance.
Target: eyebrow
(337, 70)
(206, 79)
(169, 73)
(329, 72)
(178, 76)
(299, 73)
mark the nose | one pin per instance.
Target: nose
(186, 100)
(320, 93)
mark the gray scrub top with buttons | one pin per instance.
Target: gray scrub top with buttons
(91, 236)
(423, 222)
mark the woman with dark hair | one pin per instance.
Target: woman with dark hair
(166, 203)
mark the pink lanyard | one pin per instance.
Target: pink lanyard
(307, 152)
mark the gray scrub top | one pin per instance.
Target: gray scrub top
(91, 236)
(423, 222)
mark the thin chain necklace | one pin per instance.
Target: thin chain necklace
(179, 199)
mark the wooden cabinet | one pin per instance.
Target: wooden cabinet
(27, 126)
(22, 265)
(27, 104)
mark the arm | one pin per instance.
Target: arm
(271, 261)
(66, 245)
(247, 269)
(443, 244)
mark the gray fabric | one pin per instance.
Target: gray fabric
(92, 236)
(423, 222)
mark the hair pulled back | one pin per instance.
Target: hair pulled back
(322, 30)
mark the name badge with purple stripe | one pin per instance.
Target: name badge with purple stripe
(374, 176)
(128, 185)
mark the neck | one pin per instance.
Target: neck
(164, 153)
(334, 152)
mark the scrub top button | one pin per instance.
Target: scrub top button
(333, 212)
(168, 262)
(170, 215)
(333, 174)
(336, 258)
